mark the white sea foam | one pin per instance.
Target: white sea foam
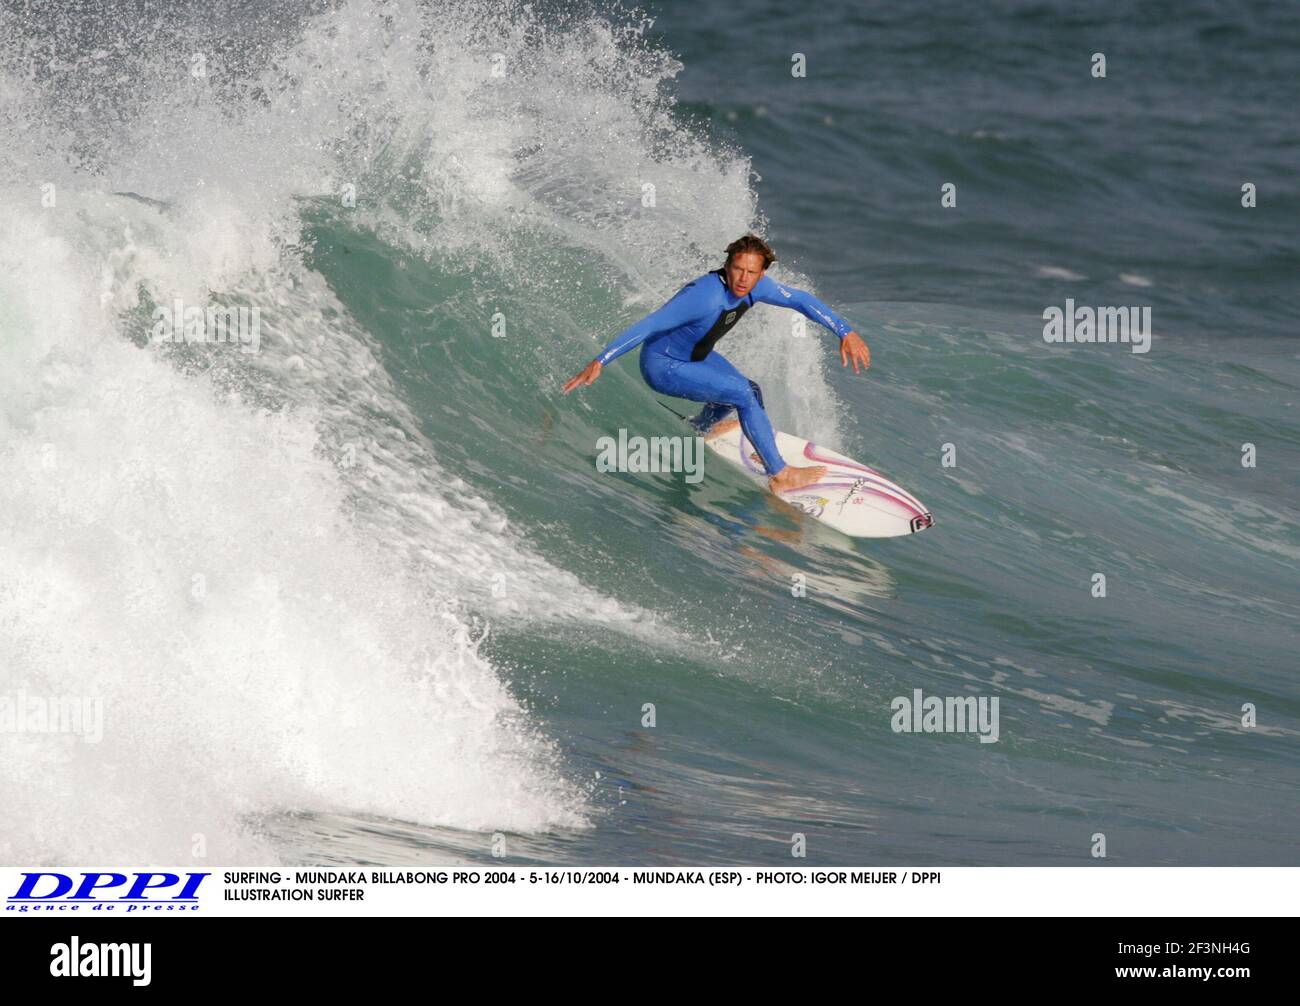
(256, 560)
(197, 564)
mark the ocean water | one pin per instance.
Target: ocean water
(361, 596)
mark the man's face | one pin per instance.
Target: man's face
(743, 271)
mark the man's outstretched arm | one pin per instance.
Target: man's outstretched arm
(684, 307)
(852, 348)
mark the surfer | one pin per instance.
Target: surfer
(678, 358)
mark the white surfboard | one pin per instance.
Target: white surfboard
(851, 498)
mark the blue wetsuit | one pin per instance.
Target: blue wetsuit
(678, 357)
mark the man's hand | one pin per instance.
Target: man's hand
(853, 348)
(588, 374)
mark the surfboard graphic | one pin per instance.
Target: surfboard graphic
(852, 498)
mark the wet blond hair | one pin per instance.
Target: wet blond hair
(751, 243)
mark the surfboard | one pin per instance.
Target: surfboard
(852, 498)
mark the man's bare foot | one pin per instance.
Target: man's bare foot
(720, 427)
(791, 477)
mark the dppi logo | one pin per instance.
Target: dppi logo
(143, 891)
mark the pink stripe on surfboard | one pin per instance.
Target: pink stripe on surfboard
(888, 490)
(849, 485)
(891, 486)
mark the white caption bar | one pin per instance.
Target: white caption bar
(189, 892)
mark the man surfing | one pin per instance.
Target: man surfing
(678, 358)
